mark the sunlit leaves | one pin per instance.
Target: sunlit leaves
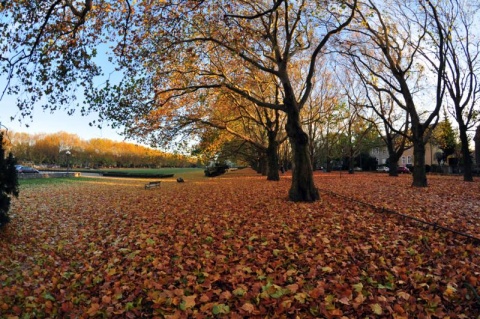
(51, 148)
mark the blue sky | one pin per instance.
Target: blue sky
(47, 122)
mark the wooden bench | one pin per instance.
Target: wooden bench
(152, 185)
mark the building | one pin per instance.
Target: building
(381, 154)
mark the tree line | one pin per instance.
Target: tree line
(62, 149)
(269, 76)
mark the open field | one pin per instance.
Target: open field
(234, 246)
(149, 171)
(143, 172)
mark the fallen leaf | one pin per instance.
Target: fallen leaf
(248, 307)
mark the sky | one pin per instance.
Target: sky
(47, 122)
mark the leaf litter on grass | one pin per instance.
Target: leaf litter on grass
(232, 246)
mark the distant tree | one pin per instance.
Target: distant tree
(242, 153)
(445, 137)
(393, 127)
(357, 122)
(459, 29)
(384, 49)
(50, 149)
(322, 114)
(8, 182)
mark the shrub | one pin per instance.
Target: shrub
(8, 182)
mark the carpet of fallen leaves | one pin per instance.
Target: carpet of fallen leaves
(448, 201)
(235, 247)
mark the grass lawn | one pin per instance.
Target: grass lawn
(152, 171)
(185, 173)
(27, 182)
(234, 246)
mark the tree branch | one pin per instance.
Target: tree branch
(276, 4)
(316, 52)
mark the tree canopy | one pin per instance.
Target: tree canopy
(49, 150)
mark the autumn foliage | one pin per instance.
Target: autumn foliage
(50, 149)
(235, 247)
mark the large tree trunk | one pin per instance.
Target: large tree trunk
(303, 188)
(419, 171)
(467, 160)
(272, 157)
(393, 165)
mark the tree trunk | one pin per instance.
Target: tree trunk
(263, 166)
(328, 167)
(303, 188)
(419, 171)
(393, 165)
(351, 163)
(260, 164)
(272, 157)
(467, 160)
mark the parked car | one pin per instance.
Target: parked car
(26, 169)
(383, 169)
(403, 170)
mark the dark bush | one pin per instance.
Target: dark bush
(216, 170)
(8, 182)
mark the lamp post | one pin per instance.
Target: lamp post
(68, 153)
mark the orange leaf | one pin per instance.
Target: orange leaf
(67, 306)
(92, 311)
(48, 304)
(398, 309)
(248, 307)
(293, 288)
(226, 295)
(317, 292)
(106, 299)
(189, 301)
(358, 301)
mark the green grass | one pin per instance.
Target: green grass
(146, 173)
(179, 172)
(51, 181)
(152, 171)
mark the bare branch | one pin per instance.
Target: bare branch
(276, 4)
(320, 46)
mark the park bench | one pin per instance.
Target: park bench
(152, 185)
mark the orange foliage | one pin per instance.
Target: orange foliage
(235, 246)
(50, 149)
